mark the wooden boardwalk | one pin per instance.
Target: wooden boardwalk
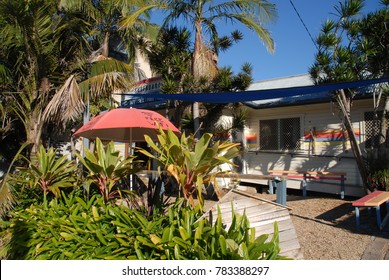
(262, 214)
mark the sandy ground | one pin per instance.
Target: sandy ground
(326, 227)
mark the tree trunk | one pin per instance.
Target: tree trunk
(34, 132)
(345, 105)
(178, 112)
(35, 120)
(204, 61)
(381, 152)
(196, 120)
(383, 122)
(212, 116)
(105, 46)
(203, 65)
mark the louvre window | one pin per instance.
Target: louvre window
(279, 134)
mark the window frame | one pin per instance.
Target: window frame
(298, 135)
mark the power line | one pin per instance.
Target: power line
(306, 28)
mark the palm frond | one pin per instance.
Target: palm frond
(21, 106)
(67, 103)
(107, 76)
(262, 32)
(102, 65)
(86, 7)
(134, 18)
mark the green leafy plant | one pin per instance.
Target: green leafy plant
(47, 172)
(193, 164)
(190, 236)
(106, 168)
(379, 179)
(70, 227)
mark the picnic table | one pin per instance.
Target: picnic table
(374, 199)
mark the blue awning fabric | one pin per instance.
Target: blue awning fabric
(253, 95)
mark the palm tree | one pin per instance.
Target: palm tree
(46, 54)
(32, 54)
(119, 25)
(203, 15)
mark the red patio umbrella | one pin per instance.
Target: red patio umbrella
(125, 125)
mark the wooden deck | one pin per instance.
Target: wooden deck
(262, 214)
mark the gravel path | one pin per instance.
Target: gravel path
(326, 228)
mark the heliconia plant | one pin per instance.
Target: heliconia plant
(192, 163)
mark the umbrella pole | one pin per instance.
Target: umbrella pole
(131, 153)
(131, 175)
(126, 150)
(85, 141)
(126, 153)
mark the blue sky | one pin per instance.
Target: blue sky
(295, 50)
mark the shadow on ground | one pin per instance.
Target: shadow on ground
(343, 216)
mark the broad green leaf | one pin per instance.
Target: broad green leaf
(184, 234)
(201, 147)
(223, 244)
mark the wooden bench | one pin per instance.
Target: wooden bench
(312, 175)
(374, 199)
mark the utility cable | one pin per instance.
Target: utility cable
(306, 28)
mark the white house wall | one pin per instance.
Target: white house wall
(334, 156)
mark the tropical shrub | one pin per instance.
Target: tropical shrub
(70, 227)
(106, 168)
(193, 164)
(46, 172)
(189, 236)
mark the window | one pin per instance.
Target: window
(372, 129)
(279, 134)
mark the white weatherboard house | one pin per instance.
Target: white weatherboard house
(298, 132)
(305, 133)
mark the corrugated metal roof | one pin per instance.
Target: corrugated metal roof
(284, 82)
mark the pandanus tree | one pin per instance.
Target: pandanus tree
(373, 38)
(348, 50)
